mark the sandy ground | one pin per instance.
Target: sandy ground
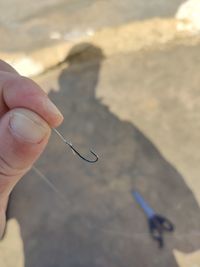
(138, 127)
(132, 94)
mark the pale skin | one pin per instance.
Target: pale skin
(26, 118)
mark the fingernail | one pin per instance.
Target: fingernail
(49, 106)
(28, 126)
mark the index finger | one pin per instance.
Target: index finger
(18, 91)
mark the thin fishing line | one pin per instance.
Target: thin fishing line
(107, 231)
(51, 185)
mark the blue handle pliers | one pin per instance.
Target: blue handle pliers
(157, 223)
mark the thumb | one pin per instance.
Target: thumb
(23, 136)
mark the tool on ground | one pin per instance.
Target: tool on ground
(157, 223)
(74, 150)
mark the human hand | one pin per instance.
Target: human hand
(26, 118)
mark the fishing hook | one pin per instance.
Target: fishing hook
(74, 150)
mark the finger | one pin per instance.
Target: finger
(15, 87)
(23, 136)
(6, 67)
(18, 91)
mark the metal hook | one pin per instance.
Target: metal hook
(74, 150)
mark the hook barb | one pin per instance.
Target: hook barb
(76, 151)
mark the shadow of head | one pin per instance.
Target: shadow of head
(84, 53)
(80, 77)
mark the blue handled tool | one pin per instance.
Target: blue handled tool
(157, 223)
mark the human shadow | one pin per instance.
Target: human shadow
(93, 220)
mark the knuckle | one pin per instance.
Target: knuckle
(22, 83)
(7, 169)
(25, 84)
(8, 175)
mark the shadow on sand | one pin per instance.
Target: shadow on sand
(96, 222)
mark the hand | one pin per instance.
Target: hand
(26, 118)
